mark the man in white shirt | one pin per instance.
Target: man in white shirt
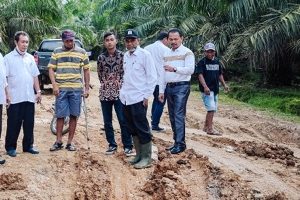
(22, 78)
(3, 94)
(139, 80)
(158, 50)
(179, 66)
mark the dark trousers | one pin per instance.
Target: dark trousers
(1, 106)
(137, 123)
(177, 97)
(20, 114)
(157, 108)
(107, 107)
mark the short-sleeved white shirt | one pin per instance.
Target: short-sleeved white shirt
(2, 81)
(20, 72)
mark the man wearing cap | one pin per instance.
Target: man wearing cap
(157, 50)
(179, 66)
(139, 81)
(68, 61)
(209, 70)
(24, 90)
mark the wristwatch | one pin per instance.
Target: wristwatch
(175, 69)
(39, 91)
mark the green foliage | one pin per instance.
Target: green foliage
(283, 100)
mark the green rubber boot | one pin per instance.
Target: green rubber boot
(136, 143)
(146, 151)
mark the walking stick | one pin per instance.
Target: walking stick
(86, 122)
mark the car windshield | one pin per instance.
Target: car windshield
(49, 46)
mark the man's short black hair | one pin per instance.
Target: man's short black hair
(109, 34)
(18, 33)
(162, 35)
(175, 30)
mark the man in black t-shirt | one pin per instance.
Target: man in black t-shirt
(209, 72)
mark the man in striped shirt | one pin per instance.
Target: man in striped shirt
(68, 62)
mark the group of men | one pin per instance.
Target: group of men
(127, 81)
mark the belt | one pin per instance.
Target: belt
(173, 84)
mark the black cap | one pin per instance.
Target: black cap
(131, 33)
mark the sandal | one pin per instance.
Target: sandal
(56, 146)
(71, 147)
(214, 133)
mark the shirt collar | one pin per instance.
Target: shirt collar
(16, 53)
(179, 48)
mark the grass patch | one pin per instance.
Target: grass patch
(281, 102)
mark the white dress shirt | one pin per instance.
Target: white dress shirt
(158, 50)
(20, 72)
(183, 60)
(140, 77)
(3, 82)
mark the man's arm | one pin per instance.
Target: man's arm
(203, 83)
(55, 87)
(38, 91)
(86, 74)
(221, 78)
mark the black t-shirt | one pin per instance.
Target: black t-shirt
(211, 70)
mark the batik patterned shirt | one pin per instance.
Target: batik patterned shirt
(110, 72)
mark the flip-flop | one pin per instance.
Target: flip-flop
(214, 133)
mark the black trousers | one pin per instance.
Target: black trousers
(137, 123)
(18, 115)
(1, 106)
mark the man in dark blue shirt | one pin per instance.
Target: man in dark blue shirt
(209, 72)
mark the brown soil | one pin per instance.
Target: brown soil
(258, 157)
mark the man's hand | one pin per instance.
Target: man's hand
(169, 68)
(161, 97)
(8, 101)
(55, 89)
(207, 91)
(145, 103)
(38, 97)
(226, 88)
(86, 92)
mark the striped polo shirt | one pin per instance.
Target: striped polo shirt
(68, 65)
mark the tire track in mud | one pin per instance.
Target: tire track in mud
(258, 175)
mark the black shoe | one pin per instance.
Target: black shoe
(157, 128)
(32, 151)
(170, 148)
(12, 153)
(111, 150)
(177, 150)
(2, 161)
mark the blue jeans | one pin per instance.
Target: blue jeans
(68, 103)
(177, 99)
(106, 107)
(157, 108)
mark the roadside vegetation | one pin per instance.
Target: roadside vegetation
(258, 41)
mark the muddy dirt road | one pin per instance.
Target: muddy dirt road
(258, 157)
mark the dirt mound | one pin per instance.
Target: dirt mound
(92, 180)
(270, 151)
(166, 182)
(279, 153)
(12, 181)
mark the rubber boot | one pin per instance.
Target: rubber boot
(136, 143)
(146, 151)
(2, 161)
